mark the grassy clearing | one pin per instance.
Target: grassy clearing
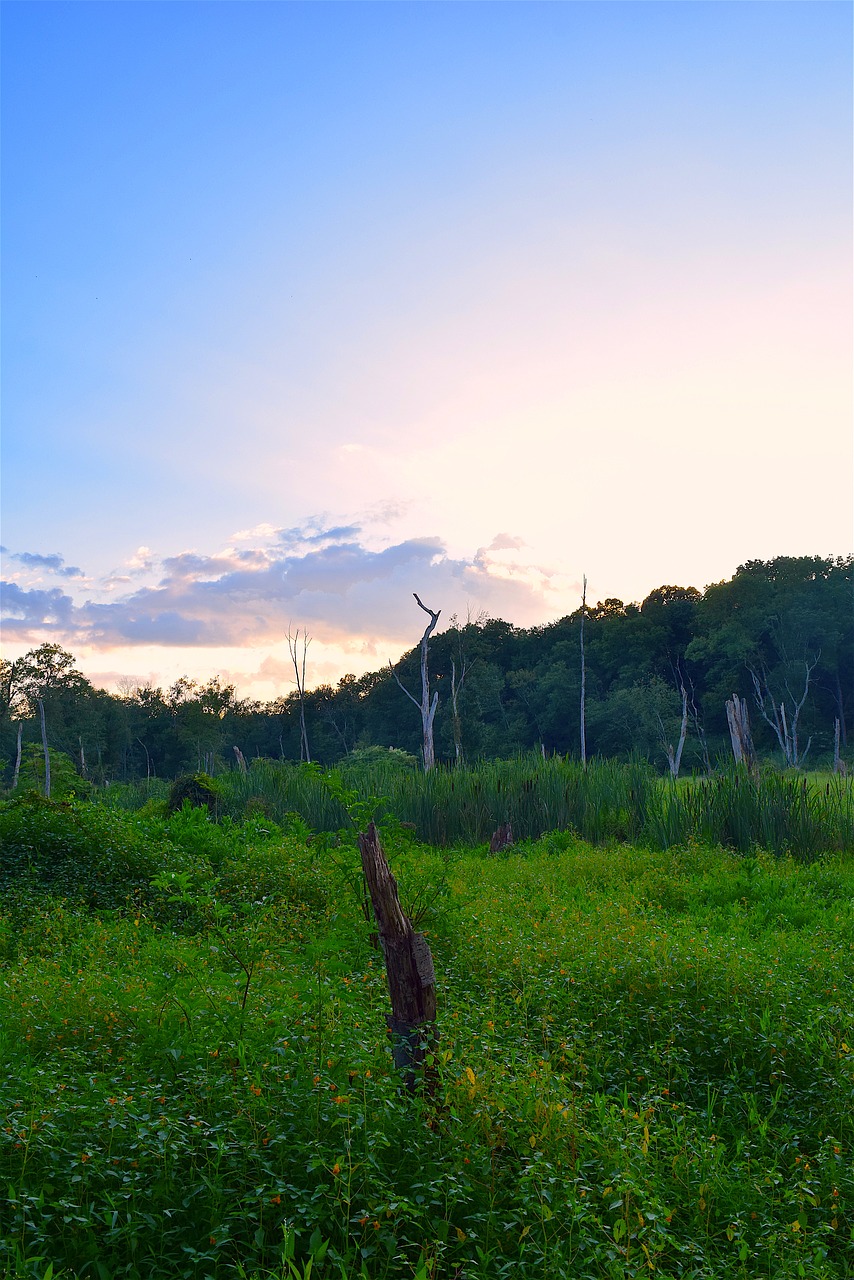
(645, 1065)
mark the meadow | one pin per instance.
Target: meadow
(645, 1064)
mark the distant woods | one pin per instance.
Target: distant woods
(778, 637)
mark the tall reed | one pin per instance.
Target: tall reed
(606, 802)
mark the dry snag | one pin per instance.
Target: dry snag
(408, 963)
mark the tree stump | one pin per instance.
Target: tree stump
(408, 963)
(502, 838)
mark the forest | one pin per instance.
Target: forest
(779, 635)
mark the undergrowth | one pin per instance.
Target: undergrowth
(645, 1065)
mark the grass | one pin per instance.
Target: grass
(645, 1065)
(609, 801)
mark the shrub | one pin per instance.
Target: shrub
(196, 789)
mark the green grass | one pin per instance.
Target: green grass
(609, 801)
(646, 1063)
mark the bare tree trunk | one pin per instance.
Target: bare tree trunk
(299, 673)
(82, 757)
(408, 963)
(427, 706)
(46, 752)
(147, 760)
(840, 702)
(456, 686)
(240, 759)
(583, 675)
(17, 756)
(787, 738)
(674, 759)
(739, 732)
(836, 734)
(798, 756)
(699, 730)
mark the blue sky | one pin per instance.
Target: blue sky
(310, 306)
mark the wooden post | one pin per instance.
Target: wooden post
(408, 963)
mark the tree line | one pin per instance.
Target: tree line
(778, 636)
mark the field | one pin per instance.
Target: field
(646, 1063)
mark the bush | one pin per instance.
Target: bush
(196, 789)
(79, 851)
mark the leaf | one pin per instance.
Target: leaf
(471, 1075)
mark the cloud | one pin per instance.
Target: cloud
(319, 576)
(142, 561)
(54, 563)
(506, 542)
(27, 610)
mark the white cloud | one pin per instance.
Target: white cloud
(319, 575)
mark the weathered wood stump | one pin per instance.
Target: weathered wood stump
(502, 838)
(408, 964)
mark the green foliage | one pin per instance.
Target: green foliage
(646, 1062)
(77, 851)
(65, 781)
(606, 802)
(776, 620)
(196, 789)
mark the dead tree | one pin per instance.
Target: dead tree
(697, 721)
(583, 675)
(739, 732)
(426, 706)
(502, 838)
(17, 756)
(787, 736)
(408, 964)
(299, 673)
(839, 765)
(456, 686)
(674, 758)
(45, 748)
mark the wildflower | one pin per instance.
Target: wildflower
(336, 1168)
(275, 1199)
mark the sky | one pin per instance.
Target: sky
(311, 306)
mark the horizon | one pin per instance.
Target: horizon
(119, 682)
